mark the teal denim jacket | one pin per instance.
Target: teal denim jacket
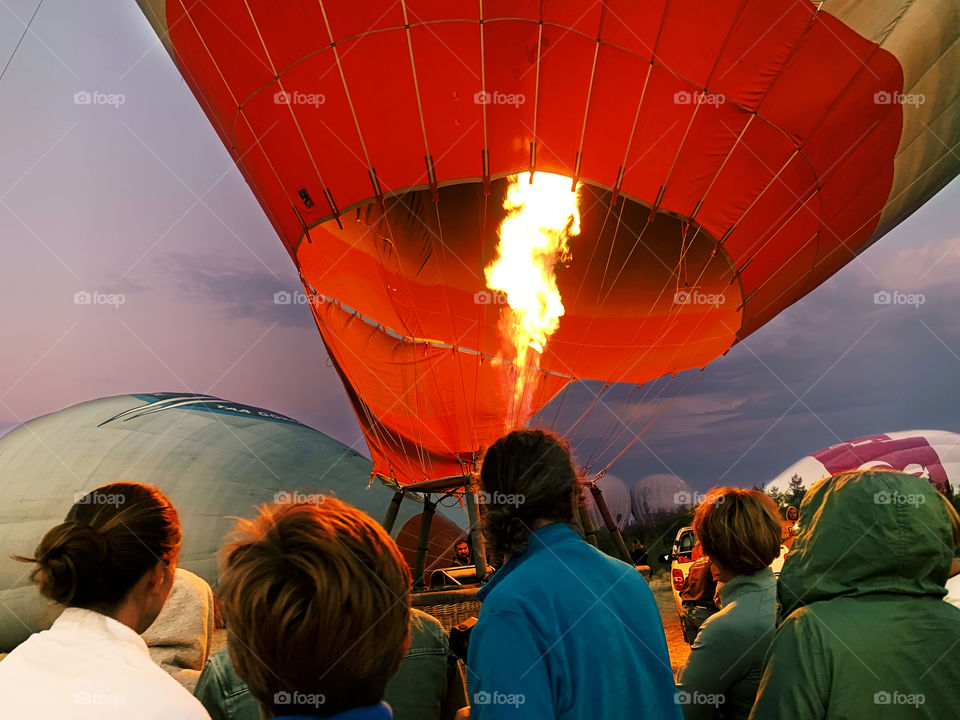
(428, 685)
(722, 674)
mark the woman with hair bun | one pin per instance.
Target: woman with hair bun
(564, 631)
(111, 564)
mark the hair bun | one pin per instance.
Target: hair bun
(70, 556)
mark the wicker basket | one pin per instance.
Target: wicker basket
(450, 607)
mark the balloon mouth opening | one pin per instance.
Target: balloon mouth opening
(643, 282)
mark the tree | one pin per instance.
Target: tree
(795, 491)
(778, 496)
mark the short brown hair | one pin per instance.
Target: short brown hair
(315, 597)
(739, 529)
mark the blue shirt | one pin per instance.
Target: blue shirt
(566, 631)
(380, 711)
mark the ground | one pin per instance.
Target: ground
(677, 647)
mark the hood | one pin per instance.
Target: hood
(866, 532)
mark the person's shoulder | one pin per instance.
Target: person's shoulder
(616, 572)
(739, 620)
(184, 705)
(35, 651)
(807, 620)
(162, 696)
(423, 619)
(426, 631)
(151, 682)
(218, 672)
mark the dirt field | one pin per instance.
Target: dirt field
(679, 650)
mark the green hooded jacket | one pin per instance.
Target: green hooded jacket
(866, 631)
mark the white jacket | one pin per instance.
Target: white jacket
(88, 666)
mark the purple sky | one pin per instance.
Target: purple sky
(142, 199)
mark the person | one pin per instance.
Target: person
(739, 531)
(428, 686)
(866, 631)
(638, 554)
(461, 557)
(316, 601)
(179, 639)
(697, 596)
(111, 563)
(953, 583)
(789, 526)
(564, 631)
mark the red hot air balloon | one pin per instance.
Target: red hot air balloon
(730, 156)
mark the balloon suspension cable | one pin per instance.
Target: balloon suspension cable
(617, 420)
(16, 48)
(615, 436)
(646, 427)
(583, 416)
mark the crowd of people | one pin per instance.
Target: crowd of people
(316, 601)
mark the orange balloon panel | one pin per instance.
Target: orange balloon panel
(424, 409)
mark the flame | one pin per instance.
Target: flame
(542, 215)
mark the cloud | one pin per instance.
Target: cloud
(239, 290)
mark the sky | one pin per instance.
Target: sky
(114, 187)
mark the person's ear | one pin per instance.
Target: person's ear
(157, 577)
(160, 578)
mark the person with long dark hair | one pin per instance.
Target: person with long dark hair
(564, 631)
(111, 563)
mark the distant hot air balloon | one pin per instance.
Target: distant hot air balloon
(729, 157)
(616, 495)
(653, 495)
(930, 454)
